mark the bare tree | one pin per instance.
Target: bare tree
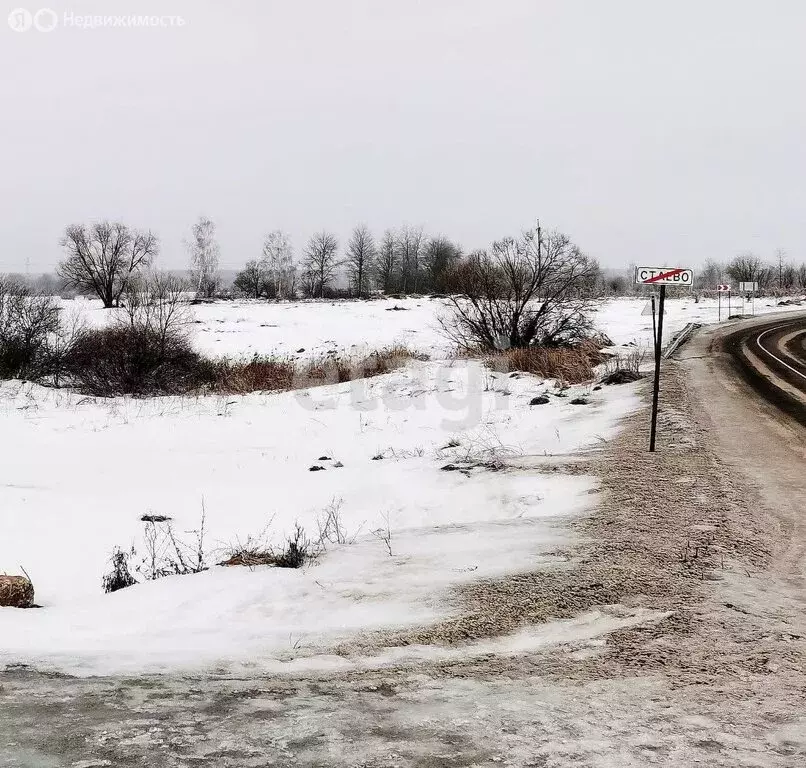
(788, 277)
(441, 256)
(386, 264)
(102, 258)
(361, 252)
(252, 281)
(278, 262)
(711, 274)
(410, 245)
(204, 256)
(321, 263)
(155, 306)
(746, 268)
(28, 324)
(524, 291)
(780, 263)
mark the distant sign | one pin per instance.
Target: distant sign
(723, 288)
(748, 287)
(663, 276)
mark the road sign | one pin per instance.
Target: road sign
(663, 276)
(723, 288)
(743, 287)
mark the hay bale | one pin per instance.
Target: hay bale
(16, 592)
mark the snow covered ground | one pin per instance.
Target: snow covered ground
(242, 328)
(77, 474)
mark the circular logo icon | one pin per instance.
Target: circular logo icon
(20, 20)
(45, 20)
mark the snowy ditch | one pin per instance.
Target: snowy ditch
(78, 474)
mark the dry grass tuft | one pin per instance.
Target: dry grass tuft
(573, 365)
(258, 375)
(281, 374)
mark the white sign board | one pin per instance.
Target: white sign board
(748, 287)
(663, 276)
(723, 288)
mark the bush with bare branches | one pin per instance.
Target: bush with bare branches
(525, 291)
(120, 575)
(146, 350)
(255, 551)
(28, 324)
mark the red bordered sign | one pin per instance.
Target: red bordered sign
(663, 276)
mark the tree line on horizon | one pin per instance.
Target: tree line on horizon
(779, 276)
(101, 259)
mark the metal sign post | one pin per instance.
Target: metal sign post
(750, 288)
(720, 289)
(656, 388)
(661, 276)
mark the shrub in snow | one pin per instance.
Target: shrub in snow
(384, 533)
(135, 360)
(146, 351)
(297, 550)
(623, 368)
(331, 526)
(27, 326)
(255, 551)
(166, 554)
(530, 290)
(120, 576)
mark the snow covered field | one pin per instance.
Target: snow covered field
(77, 474)
(242, 328)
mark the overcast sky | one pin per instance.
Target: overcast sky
(656, 132)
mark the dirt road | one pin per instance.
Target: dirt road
(707, 534)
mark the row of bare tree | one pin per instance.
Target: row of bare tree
(402, 261)
(101, 259)
(779, 275)
(104, 257)
(535, 288)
